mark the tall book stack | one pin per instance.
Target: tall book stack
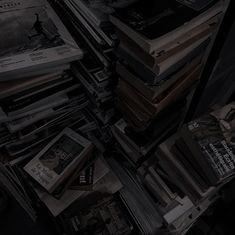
(161, 56)
(88, 21)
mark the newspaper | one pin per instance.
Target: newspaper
(33, 37)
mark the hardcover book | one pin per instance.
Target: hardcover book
(58, 159)
(139, 21)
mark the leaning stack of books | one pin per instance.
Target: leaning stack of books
(161, 56)
(69, 169)
(95, 34)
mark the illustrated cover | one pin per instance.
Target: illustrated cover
(105, 217)
(215, 134)
(33, 36)
(58, 159)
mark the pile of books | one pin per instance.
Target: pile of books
(38, 94)
(161, 55)
(187, 171)
(58, 116)
(39, 98)
(69, 169)
(96, 37)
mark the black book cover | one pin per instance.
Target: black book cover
(214, 134)
(156, 18)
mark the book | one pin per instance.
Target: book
(210, 138)
(156, 58)
(150, 91)
(105, 183)
(172, 19)
(40, 39)
(172, 94)
(58, 159)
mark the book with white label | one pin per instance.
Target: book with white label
(55, 162)
(34, 38)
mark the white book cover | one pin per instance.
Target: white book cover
(58, 159)
(33, 36)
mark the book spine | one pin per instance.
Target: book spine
(198, 155)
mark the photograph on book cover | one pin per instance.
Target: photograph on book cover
(27, 30)
(61, 154)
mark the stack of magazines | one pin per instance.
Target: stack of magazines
(138, 144)
(68, 170)
(161, 56)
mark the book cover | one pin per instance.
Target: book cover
(33, 37)
(171, 19)
(215, 136)
(58, 159)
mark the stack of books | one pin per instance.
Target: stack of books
(39, 96)
(67, 169)
(97, 38)
(161, 56)
(34, 110)
(90, 181)
(187, 170)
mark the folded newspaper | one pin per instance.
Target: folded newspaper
(33, 38)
